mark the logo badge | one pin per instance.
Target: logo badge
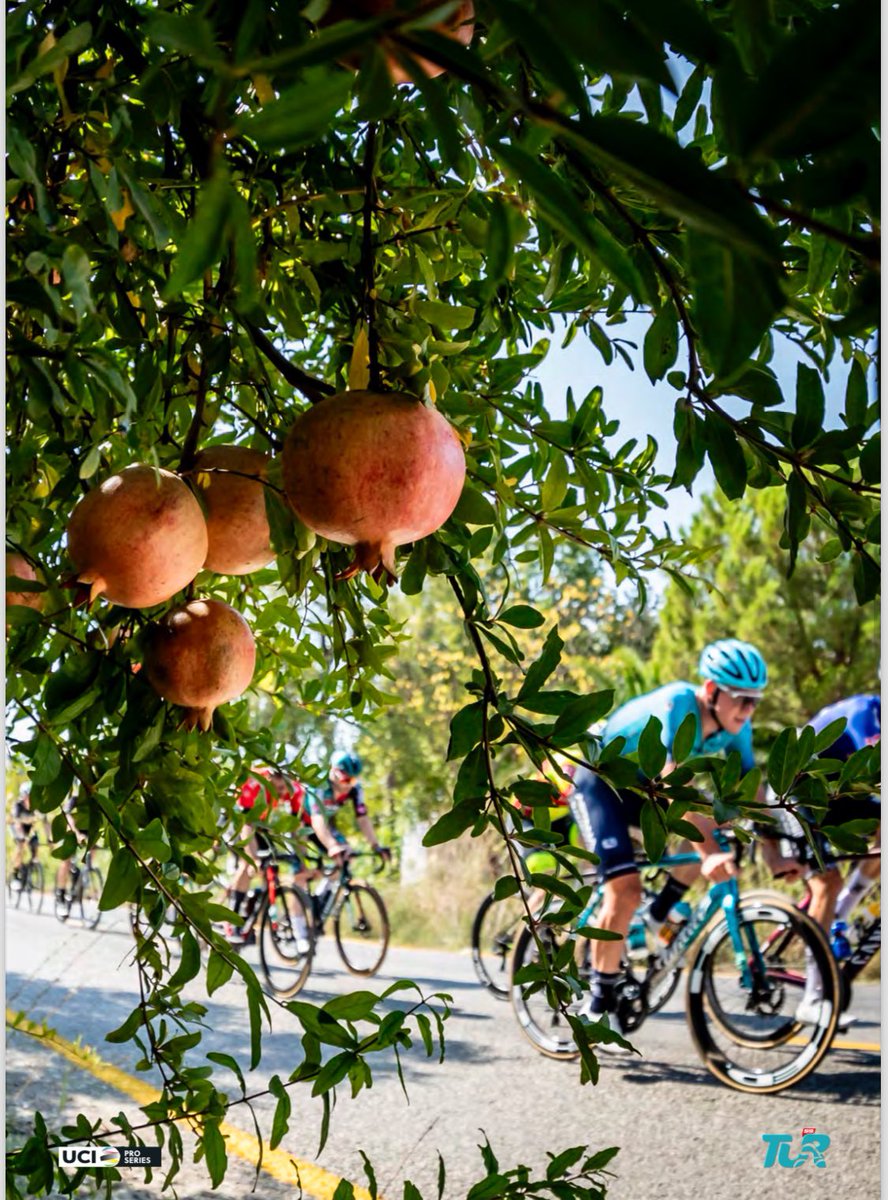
(812, 1149)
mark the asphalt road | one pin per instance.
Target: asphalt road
(681, 1134)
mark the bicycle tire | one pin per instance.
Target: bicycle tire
(34, 886)
(546, 1028)
(762, 1048)
(360, 920)
(89, 892)
(286, 963)
(495, 927)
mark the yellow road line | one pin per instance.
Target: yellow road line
(841, 1044)
(314, 1180)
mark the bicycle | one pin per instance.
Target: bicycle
(279, 917)
(82, 893)
(360, 921)
(761, 1048)
(30, 878)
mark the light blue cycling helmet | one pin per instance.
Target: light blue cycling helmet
(348, 764)
(735, 666)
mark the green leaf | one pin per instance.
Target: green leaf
(810, 407)
(219, 971)
(69, 44)
(189, 964)
(653, 830)
(555, 485)
(499, 251)
(726, 456)
(213, 1144)
(466, 729)
(856, 399)
(539, 671)
(871, 459)
(531, 32)
(685, 736)
(300, 115)
(153, 842)
(574, 721)
(559, 205)
(473, 508)
(445, 316)
(736, 296)
(506, 886)
(522, 616)
(652, 753)
(123, 881)
(188, 33)
(661, 344)
(451, 824)
(281, 1120)
(205, 238)
(354, 1006)
(783, 761)
(46, 760)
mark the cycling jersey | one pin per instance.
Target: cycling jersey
(605, 816)
(22, 813)
(325, 804)
(863, 715)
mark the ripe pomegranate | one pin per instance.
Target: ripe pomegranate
(18, 565)
(460, 26)
(200, 655)
(374, 471)
(237, 527)
(138, 538)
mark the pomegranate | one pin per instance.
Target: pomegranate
(18, 565)
(200, 655)
(373, 471)
(237, 527)
(138, 538)
(460, 26)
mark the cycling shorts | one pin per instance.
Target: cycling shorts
(26, 835)
(604, 817)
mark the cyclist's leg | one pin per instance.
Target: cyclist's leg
(603, 819)
(867, 872)
(240, 883)
(18, 858)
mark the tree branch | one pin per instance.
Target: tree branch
(314, 390)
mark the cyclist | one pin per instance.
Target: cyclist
(24, 833)
(268, 787)
(734, 676)
(68, 867)
(829, 899)
(321, 809)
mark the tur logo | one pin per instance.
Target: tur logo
(812, 1150)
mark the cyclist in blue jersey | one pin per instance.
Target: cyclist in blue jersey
(734, 676)
(829, 899)
(320, 810)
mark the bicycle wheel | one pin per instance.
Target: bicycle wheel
(546, 1027)
(361, 926)
(741, 1004)
(34, 886)
(496, 925)
(286, 946)
(88, 893)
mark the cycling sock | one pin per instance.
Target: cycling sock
(671, 892)
(813, 979)
(856, 887)
(237, 899)
(602, 989)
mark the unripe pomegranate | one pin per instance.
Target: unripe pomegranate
(200, 655)
(460, 26)
(138, 538)
(18, 565)
(234, 498)
(373, 471)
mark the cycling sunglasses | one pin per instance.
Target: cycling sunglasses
(748, 700)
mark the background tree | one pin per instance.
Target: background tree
(213, 224)
(819, 645)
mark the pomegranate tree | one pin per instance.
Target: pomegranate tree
(238, 537)
(459, 25)
(138, 538)
(199, 656)
(373, 470)
(19, 567)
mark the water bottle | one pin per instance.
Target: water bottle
(679, 915)
(637, 938)
(841, 947)
(324, 897)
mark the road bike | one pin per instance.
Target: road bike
(25, 885)
(360, 921)
(278, 916)
(760, 1047)
(80, 898)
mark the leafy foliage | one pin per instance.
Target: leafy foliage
(213, 223)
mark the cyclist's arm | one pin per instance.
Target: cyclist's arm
(366, 827)
(324, 834)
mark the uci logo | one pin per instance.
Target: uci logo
(813, 1148)
(87, 1156)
